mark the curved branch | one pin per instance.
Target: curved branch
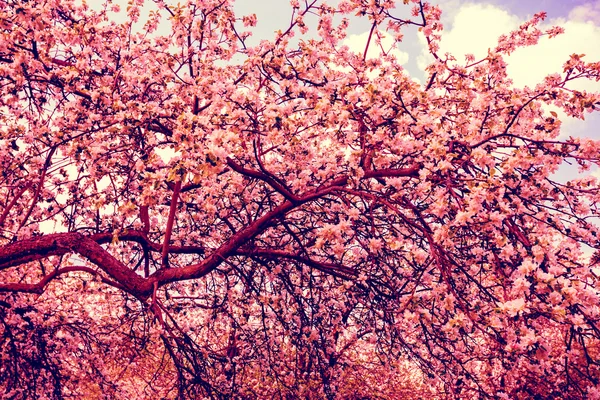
(243, 236)
(40, 247)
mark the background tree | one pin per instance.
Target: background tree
(303, 221)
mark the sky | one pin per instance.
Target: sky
(473, 27)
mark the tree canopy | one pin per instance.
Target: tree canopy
(187, 214)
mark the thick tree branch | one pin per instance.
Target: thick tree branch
(39, 247)
(254, 229)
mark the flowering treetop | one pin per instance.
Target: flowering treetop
(299, 223)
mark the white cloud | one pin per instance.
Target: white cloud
(528, 66)
(588, 12)
(475, 28)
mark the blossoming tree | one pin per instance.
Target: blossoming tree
(186, 215)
